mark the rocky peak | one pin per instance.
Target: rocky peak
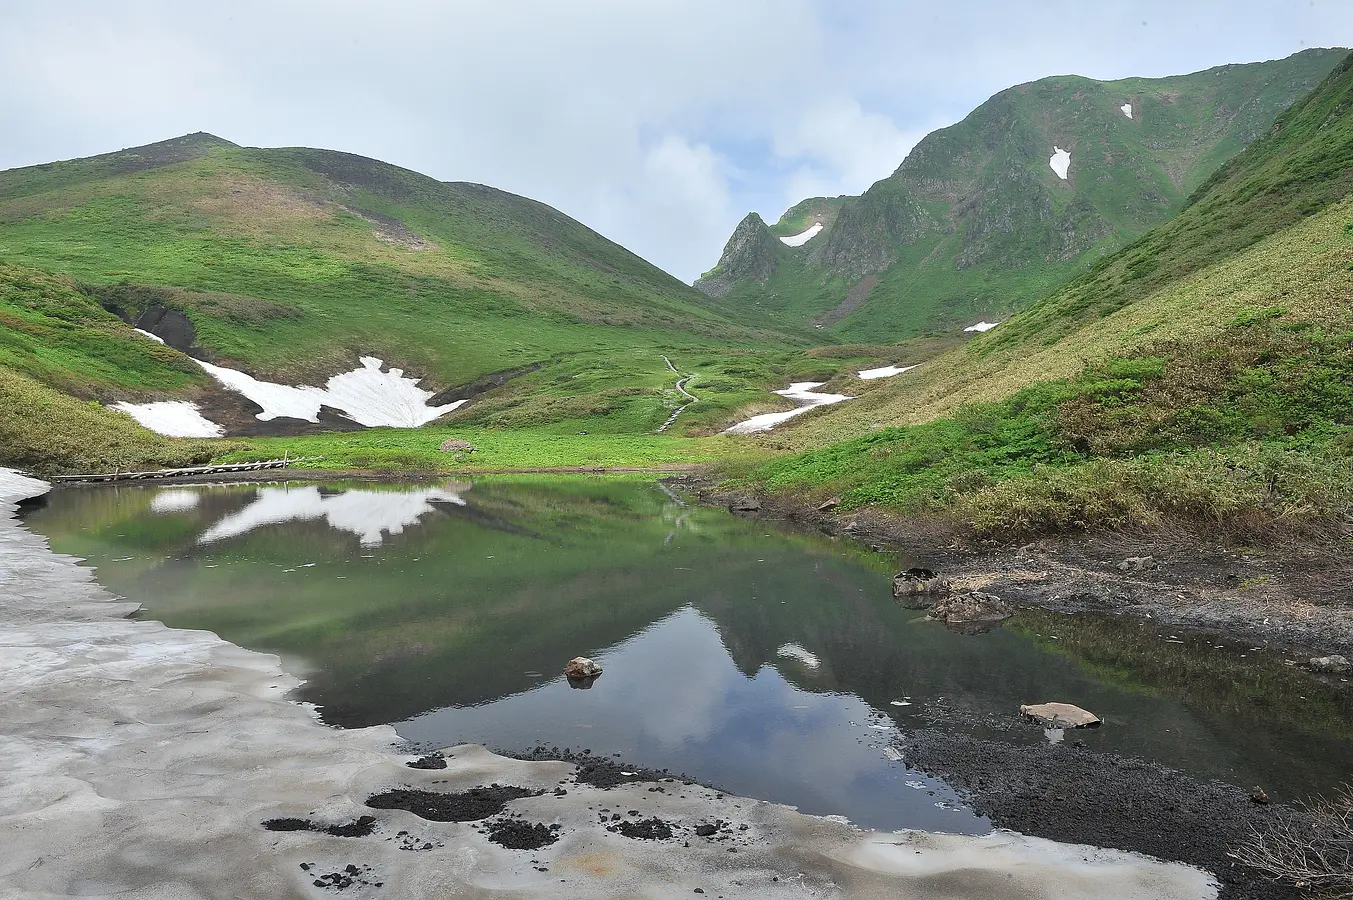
(751, 254)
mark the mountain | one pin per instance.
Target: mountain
(290, 263)
(1202, 375)
(978, 221)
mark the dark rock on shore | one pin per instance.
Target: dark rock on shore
(466, 806)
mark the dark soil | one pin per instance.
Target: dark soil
(349, 876)
(431, 761)
(654, 829)
(356, 828)
(515, 834)
(1063, 793)
(467, 806)
(598, 771)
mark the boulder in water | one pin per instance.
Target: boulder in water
(971, 612)
(1061, 715)
(919, 588)
(745, 504)
(581, 667)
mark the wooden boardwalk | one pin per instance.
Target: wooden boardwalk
(192, 470)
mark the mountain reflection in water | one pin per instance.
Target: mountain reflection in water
(768, 662)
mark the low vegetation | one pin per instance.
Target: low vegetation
(1252, 427)
(45, 431)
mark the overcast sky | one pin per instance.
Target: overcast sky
(659, 123)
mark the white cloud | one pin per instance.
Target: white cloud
(658, 124)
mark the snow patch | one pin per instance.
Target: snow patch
(1060, 162)
(1127, 109)
(174, 500)
(366, 395)
(154, 337)
(803, 237)
(173, 418)
(794, 651)
(801, 391)
(371, 515)
(982, 326)
(885, 372)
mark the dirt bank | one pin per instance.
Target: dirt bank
(1295, 598)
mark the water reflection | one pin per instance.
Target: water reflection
(371, 515)
(673, 692)
(755, 658)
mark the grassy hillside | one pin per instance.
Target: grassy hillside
(975, 223)
(292, 262)
(1204, 373)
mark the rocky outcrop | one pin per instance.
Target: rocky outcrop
(971, 612)
(752, 254)
(1336, 665)
(919, 588)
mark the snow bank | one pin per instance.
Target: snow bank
(1060, 162)
(982, 326)
(368, 514)
(802, 391)
(366, 395)
(803, 237)
(885, 372)
(1127, 109)
(174, 418)
(154, 337)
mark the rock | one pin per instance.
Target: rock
(456, 446)
(829, 505)
(1136, 563)
(1336, 665)
(971, 612)
(581, 667)
(745, 504)
(1061, 715)
(1259, 796)
(919, 588)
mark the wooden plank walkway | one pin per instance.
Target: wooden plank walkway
(192, 470)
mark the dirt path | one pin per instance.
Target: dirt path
(680, 386)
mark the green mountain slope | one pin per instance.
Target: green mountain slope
(975, 223)
(1204, 373)
(291, 262)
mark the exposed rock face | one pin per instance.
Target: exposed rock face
(752, 254)
(972, 611)
(1061, 715)
(919, 588)
(581, 667)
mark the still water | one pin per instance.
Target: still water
(768, 662)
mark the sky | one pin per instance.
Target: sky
(659, 123)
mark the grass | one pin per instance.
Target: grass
(1252, 426)
(48, 432)
(293, 262)
(975, 224)
(415, 450)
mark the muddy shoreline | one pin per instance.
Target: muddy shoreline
(1285, 600)
(1295, 600)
